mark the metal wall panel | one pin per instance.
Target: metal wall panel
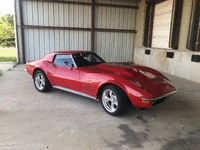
(19, 34)
(115, 18)
(115, 47)
(117, 2)
(56, 14)
(18, 30)
(40, 42)
(85, 1)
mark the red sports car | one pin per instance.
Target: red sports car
(114, 84)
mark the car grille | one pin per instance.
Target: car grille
(156, 102)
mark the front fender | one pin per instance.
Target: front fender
(134, 93)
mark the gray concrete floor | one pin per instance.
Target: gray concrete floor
(58, 120)
(5, 66)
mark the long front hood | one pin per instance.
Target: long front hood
(146, 78)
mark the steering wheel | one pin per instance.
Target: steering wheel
(94, 61)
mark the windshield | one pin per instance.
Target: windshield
(86, 59)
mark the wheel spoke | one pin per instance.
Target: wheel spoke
(106, 98)
(109, 100)
(40, 81)
(111, 94)
(42, 84)
(112, 105)
(38, 77)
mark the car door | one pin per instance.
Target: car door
(65, 73)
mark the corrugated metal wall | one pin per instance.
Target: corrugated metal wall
(56, 14)
(40, 42)
(115, 47)
(112, 46)
(18, 30)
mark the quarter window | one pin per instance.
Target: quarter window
(64, 60)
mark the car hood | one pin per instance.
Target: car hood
(146, 78)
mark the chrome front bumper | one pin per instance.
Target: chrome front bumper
(158, 101)
(159, 97)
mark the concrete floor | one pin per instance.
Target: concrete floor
(58, 120)
(5, 66)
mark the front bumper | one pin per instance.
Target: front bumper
(159, 99)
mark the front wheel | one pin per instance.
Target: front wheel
(41, 81)
(114, 100)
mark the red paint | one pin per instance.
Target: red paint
(137, 81)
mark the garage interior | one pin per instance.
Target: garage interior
(160, 34)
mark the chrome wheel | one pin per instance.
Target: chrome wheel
(40, 81)
(110, 101)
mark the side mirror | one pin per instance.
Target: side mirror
(51, 63)
(48, 62)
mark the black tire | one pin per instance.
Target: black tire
(114, 100)
(41, 81)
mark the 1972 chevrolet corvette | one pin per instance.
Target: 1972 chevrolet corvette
(114, 84)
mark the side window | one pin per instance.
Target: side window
(64, 60)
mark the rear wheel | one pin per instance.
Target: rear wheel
(41, 81)
(114, 100)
